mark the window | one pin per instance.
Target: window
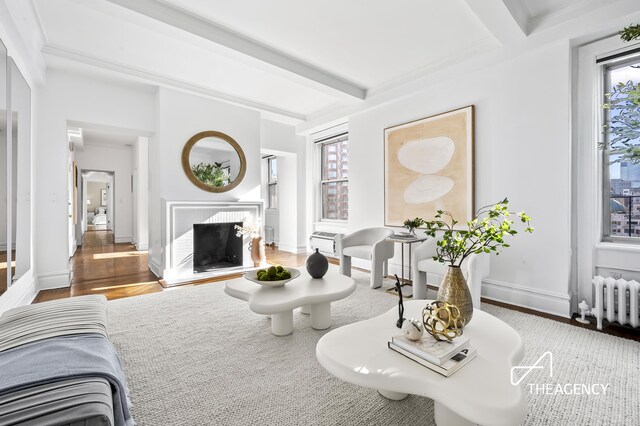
(272, 183)
(621, 133)
(334, 180)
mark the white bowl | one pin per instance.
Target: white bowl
(252, 276)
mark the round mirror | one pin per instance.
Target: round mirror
(213, 161)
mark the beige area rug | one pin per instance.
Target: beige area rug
(195, 356)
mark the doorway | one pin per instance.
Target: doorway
(97, 197)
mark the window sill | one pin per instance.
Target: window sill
(617, 246)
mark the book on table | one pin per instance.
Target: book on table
(449, 367)
(430, 349)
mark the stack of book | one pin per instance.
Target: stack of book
(442, 357)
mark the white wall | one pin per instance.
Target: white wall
(522, 151)
(179, 116)
(141, 194)
(117, 159)
(70, 97)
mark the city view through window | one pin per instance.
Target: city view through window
(622, 133)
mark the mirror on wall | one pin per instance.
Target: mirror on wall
(4, 133)
(213, 161)
(20, 102)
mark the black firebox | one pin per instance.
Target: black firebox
(216, 246)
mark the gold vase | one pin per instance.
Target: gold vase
(454, 290)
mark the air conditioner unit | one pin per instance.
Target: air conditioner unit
(324, 242)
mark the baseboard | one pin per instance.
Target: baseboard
(536, 299)
(51, 280)
(155, 267)
(141, 247)
(119, 240)
(23, 292)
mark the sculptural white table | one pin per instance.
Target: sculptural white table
(313, 296)
(480, 393)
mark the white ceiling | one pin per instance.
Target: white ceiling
(541, 7)
(287, 58)
(368, 42)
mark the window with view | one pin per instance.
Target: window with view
(334, 184)
(272, 183)
(621, 132)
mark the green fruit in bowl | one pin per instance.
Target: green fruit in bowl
(285, 275)
(272, 271)
(279, 268)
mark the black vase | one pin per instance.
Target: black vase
(317, 265)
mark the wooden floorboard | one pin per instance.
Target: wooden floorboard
(118, 270)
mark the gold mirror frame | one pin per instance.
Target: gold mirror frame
(186, 151)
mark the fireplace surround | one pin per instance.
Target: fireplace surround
(176, 261)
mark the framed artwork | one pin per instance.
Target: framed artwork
(103, 197)
(428, 166)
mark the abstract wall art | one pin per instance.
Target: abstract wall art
(428, 166)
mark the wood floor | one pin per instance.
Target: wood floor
(119, 270)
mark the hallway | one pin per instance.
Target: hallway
(102, 267)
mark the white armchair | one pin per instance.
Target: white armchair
(369, 244)
(474, 268)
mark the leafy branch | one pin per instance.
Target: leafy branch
(623, 105)
(630, 33)
(485, 233)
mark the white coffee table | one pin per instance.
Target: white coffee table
(313, 296)
(479, 393)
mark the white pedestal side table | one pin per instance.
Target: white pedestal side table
(313, 296)
(480, 393)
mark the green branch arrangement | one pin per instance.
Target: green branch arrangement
(485, 233)
(623, 105)
(413, 223)
(211, 174)
(630, 33)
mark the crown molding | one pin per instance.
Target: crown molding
(163, 80)
(218, 34)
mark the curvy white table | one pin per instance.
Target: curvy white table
(312, 295)
(480, 393)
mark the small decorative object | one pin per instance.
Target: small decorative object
(317, 265)
(442, 320)
(485, 233)
(400, 303)
(412, 224)
(256, 244)
(412, 329)
(584, 310)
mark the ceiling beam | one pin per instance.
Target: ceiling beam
(506, 20)
(211, 31)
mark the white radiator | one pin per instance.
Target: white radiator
(324, 242)
(616, 300)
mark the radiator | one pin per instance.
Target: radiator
(616, 301)
(268, 235)
(324, 242)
